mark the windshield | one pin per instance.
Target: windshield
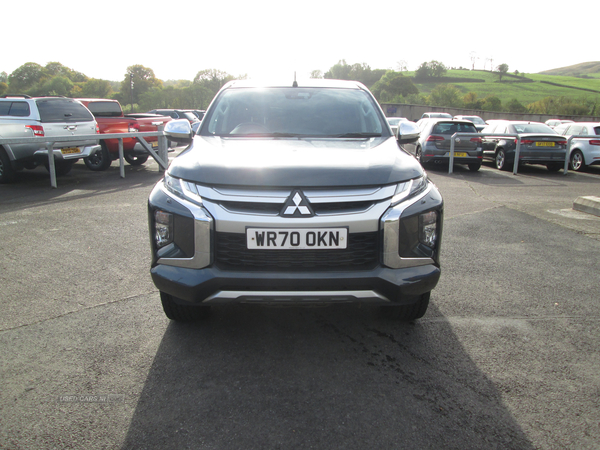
(294, 112)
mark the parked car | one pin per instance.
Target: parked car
(177, 114)
(478, 121)
(110, 118)
(540, 144)
(23, 116)
(294, 193)
(394, 121)
(553, 123)
(584, 152)
(436, 115)
(433, 145)
(198, 113)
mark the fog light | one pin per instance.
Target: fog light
(428, 229)
(163, 224)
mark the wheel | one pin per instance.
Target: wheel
(554, 167)
(474, 167)
(7, 173)
(135, 160)
(407, 313)
(419, 154)
(99, 161)
(577, 162)
(501, 163)
(183, 313)
(61, 167)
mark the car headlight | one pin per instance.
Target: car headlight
(410, 188)
(182, 188)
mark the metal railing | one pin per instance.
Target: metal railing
(517, 149)
(161, 156)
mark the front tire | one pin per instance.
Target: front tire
(407, 313)
(99, 161)
(577, 161)
(183, 313)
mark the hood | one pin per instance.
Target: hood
(294, 162)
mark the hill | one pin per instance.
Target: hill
(526, 88)
(587, 69)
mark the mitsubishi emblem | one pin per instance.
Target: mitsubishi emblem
(297, 206)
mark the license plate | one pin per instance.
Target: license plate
(296, 239)
(544, 144)
(460, 154)
(69, 150)
(154, 144)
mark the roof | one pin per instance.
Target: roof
(310, 82)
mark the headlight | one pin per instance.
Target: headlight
(181, 188)
(410, 188)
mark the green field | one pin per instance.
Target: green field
(509, 88)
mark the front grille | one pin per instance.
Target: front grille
(362, 254)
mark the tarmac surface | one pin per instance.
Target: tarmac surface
(507, 355)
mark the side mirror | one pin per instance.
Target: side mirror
(407, 132)
(179, 130)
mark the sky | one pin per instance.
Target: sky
(264, 38)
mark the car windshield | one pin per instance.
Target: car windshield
(452, 127)
(532, 128)
(105, 109)
(294, 112)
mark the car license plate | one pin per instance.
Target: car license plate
(296, 239)
(460, 154)
(154, 144)
(69, 150)
(544, 144)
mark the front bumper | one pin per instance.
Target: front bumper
(213, 286)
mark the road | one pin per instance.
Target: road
(506, 357)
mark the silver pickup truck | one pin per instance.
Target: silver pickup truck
(22, 116)
(295, 193)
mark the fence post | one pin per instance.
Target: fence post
(163, 151)
(567, 155)
(51, 164)
(451, 160)
(517, 153)
(121, 159)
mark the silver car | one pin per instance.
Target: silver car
(434, 143)
(394, 121)
(584, 152)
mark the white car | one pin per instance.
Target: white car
(584, 152)
(394, 121)
(553, 123)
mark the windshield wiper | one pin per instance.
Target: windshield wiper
(357, 135)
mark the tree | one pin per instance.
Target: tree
(3, 77)
(431, 69)
(316, 74)
(3, 88)
(137, 81)
(471, 101)
(515, 106)
(59, 85)
(55, 69)
(446, 95)
(502, 70)
(212, 79)
(358, 72)
(492, 103)
(95, 88)
(25, 78)
(393, 85)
